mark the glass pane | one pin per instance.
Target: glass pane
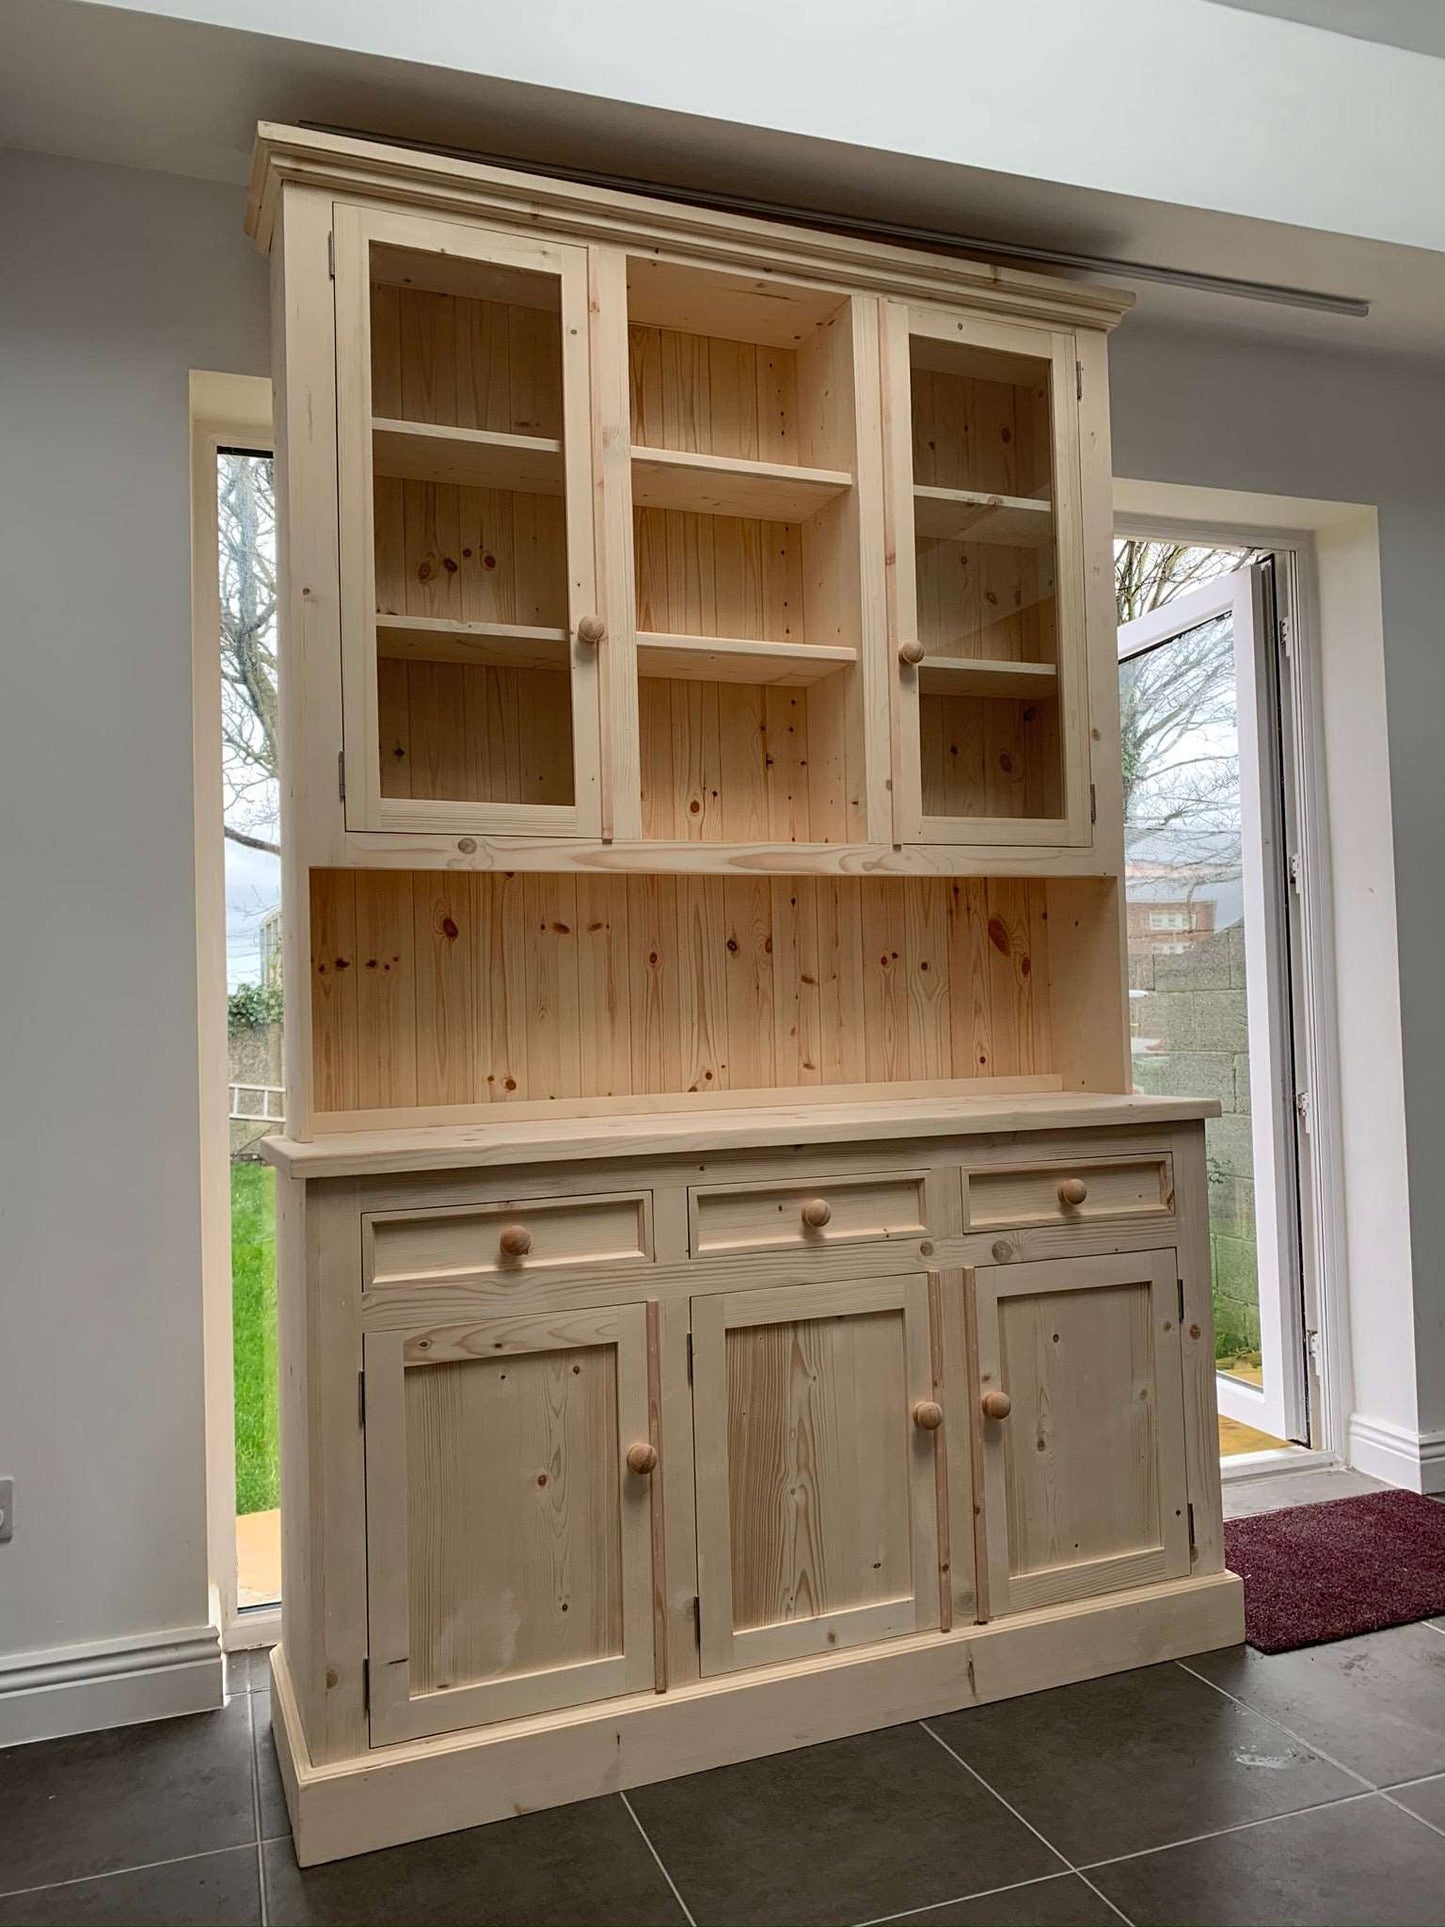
(1184, 880)
(247, 552)
(473, 681)
(985, 569)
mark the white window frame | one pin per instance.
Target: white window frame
(1312, 533)
(226, 411)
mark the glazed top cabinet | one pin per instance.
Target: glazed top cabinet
(702, 545)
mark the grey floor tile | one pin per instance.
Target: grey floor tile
(1243, 1498)
(249, 1672)
(1426, 1797)
(1364, 1864)
(1064, 1901)
(861, 1827)
(578, 1865)
(1136, 1760)
(1375, 1704)
(127, 1797)
(275, 1821)
(217, 1889)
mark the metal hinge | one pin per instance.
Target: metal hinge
(361, 1398)
(331, 255)
(1297, 874)
(366, 1686)
(1181, 1301)
(1192, 1546)
(1093, 803)
(689, 1360)
(1286, 635)
(1302, 1110)
(697, 1619)
(1312, 1346)
(1079, 380)
(341, 774)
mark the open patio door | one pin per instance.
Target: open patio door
(1208, 886)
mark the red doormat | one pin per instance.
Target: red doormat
(1314, 1573)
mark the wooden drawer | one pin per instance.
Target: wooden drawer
(509, 1239)
(1076, 1192)
(810, 1214)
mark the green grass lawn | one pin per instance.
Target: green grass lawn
(253, 1334)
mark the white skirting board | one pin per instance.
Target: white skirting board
(110, 1682)
(423, 1787)
(1414, 1461)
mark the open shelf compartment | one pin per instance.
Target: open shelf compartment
(744, 424)
(695, 988)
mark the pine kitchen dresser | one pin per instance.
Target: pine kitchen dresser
(730, 1297)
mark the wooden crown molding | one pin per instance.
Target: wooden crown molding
(440, 184)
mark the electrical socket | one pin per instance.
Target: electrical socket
(7, 1510)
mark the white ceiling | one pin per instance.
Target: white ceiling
(145, 91)
(1418, 25)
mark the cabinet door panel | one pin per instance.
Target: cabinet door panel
(467, 550)
(816, 1491)
(1084, 1478)
(986, 579)
(508, 1543)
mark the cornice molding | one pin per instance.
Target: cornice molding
(440, 184)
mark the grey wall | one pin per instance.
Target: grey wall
(1213, 413)
(115, 285)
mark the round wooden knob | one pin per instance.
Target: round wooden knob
(1073, 1191)
(641, 1458)
(911, 653)
(516, 1240)
(927, 1416)
(817, 1212)
(591, 630)
(996, 1404)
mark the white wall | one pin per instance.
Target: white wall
(1174, 100)
(1192, 409)
(116, 284)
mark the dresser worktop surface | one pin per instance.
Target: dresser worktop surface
(566, 1137)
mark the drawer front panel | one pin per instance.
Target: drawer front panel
(1073, 1193)
(508, 1239)
(808, 1215)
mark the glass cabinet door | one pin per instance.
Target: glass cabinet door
(986, 598)
(468, 606)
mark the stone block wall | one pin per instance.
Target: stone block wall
(1189, 1008)
(255, 1058)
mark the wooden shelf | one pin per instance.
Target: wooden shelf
(468, 457)
(665, 478)
(502, 645)
(787, 665)
(964, 515)
(975, 676)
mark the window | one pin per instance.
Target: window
(246, 551)
(1209, 967)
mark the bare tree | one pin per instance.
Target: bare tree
(247, 518)
(1177, 712)
(1149, 574)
